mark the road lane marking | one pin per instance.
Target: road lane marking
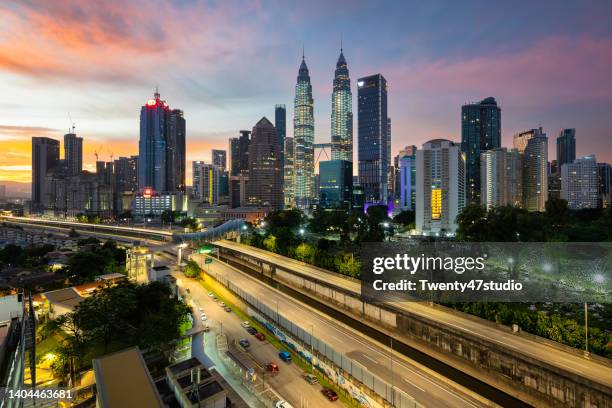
(370, 358)
(413, 384)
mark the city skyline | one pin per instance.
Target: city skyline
(430, 73)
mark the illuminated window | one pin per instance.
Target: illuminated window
(436, 204)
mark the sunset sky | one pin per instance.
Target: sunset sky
(227, 63)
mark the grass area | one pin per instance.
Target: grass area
(49, 345)
(297, 359)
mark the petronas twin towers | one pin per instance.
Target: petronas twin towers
(303, 128)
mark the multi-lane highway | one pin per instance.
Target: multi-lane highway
(394, 368)
(592, 369)
(288, 383)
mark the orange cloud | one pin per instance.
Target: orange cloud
(114, 40)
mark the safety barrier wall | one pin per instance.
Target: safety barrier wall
(339, 368)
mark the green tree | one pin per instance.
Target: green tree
(347, 264)
(190, 223)
(270, 243)
(405, 218)
(84, 266)
(192, 269)
(472, 223)
(305, 253)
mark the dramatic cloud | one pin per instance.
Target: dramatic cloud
(227, 63)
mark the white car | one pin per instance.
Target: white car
(245, 324)
(204, 317)
(283, 404)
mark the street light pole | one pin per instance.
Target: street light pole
(586, 330)
(392, 379)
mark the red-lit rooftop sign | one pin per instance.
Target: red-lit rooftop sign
(151, 102)
(147, 192)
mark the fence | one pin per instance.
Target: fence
(339, 368)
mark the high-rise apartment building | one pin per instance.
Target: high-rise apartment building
(205, 182)
(280, 123)
(535, 168)
(303, 139)
(566, 147)
(161, 147)
(480, 131)
(342, 113)
(219, 158)
(440, 187)
(372, 131)
(501, 178)
(73, 153)
(45, 157)
(265, 188)
(580, 183)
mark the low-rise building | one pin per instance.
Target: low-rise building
(123, 380)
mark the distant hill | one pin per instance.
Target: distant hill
(15, 189)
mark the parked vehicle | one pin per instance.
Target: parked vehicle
(206, 327)
(311, 379)
(228, 309)
(222, 304)
(285, 356)
(210, 294)
(252, 330)
(283, 404)
(204, 318)
(329, 394)
(272, 367)
(260, 337)
(245, 324)
(244, 343)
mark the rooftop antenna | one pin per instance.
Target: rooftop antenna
(302, 51)
(156, 94)
(340, 42)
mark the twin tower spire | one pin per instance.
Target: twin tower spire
(303, 127)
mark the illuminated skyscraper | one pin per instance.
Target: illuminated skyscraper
(480, 131)
(535, 171)
(161, 148)
(342, 113)
(372, 127)
(303, 138)
(288, 173)
(501, 178)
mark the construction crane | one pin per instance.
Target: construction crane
(71, 128)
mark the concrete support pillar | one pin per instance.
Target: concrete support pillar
(179, 256)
